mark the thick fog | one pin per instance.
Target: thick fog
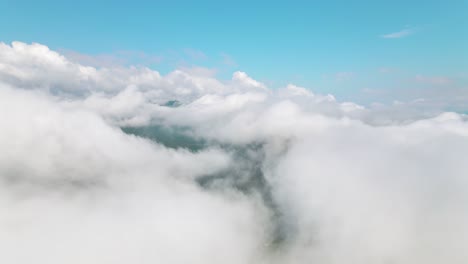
(118, 165)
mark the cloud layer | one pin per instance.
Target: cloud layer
(125, 165)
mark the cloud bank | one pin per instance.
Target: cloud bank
(125, 165)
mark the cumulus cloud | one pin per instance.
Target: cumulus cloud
(125, 165)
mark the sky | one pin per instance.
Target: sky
(350, 49)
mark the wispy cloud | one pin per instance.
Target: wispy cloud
(344, 76)
(227, 59)
(195, 54)
(434, 80)
(400, 34)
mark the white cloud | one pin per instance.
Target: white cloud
(259, 175)
(243, 79)
(400, 34)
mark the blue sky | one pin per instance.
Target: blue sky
(340, 47)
